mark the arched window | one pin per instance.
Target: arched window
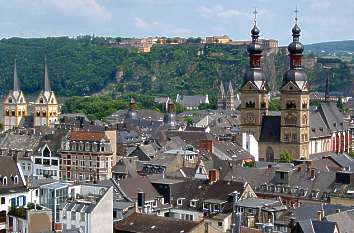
(41, 100)
(4, 180)
(269, 154)
(304, 119)
(290, 104)
(250, 104)
(7, 112)
(10, 100)
(16, 179)
(290, 119)
(46, 152)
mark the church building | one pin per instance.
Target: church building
(289, 131)
(45, 108)
(226, 100)
(15, 105)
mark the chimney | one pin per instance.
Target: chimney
(291, 223)
(214, 175)
(141, 202)
(308, 164)
(313, 173)
(206, 144)
(320, 215)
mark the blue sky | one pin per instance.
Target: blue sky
(320, 20)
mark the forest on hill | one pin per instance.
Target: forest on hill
(86, 65)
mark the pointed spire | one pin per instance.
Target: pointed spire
(46, 85)
(222, 90)
(327, 89)
(231, 89)
(16, 86)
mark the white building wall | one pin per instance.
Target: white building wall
(103, 214)
(250, 144)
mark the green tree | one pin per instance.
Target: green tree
(274, 105)
(286, 157)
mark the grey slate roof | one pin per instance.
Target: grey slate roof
(344, 220)
(270, 131)
(9, 169)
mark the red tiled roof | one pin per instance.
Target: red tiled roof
(86, 136)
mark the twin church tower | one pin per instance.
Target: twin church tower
(44, 111)
(289, 131)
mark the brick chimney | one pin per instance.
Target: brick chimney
(206, 144)
(214, 175)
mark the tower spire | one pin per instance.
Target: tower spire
(255, 12)
(295, 48)
(16, 86)
(46, 85)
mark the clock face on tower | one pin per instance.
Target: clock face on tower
(250, 118)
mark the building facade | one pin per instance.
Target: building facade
(86, 155)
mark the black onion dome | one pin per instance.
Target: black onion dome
(295, 47)
(254, 74)
(255, 31)
(296, 30)
(294, 75)
(254, 48)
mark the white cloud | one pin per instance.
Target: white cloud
(88, 9)
(141, 23)
(218, 11)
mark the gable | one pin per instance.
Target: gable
(249, 86)
(290, 87)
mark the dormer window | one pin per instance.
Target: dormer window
(193, 203)
(16, 179)
(41, 101)
(10, 100)
(180, 201)
(4, 180)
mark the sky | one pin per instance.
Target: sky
(320, 20)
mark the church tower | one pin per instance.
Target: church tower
(230, 98)
(221, 97)
(294, 131)
(46, 107)
(254, 90)
(15, 105)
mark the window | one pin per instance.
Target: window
(64, 214)
(38, 161)
(282, 175)
(2, 200)
(179, 201)
(73, 216)
(290, 104)
(4, 180)
(55, 162)
(46, 162)
(220, 224)
(16, 179)
(46, 152)
(82, 217)
(193, 203)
